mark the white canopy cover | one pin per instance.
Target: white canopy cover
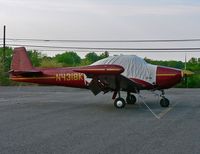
(134, 67)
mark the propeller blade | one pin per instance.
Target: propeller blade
(186, 73)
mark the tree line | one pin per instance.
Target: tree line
(70, 58)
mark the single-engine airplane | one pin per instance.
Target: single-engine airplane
(117, 73)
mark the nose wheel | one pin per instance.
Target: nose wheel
(164, 102)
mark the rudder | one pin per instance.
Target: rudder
(20, 60)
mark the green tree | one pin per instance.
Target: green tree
(171, 63)
(198, 60)
(68, 59)
(104, 55)
(8, 57)
(91, 57)
(48, 62)
(193, 60)
(193, 64)
(35, 57)
(4, 76)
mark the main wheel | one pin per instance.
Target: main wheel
(119, 103)
(130, 99)
(164, 102)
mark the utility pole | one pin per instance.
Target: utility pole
(4, 47)
(186, 79)
(185, 61)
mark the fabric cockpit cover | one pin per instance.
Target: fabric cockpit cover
(134, 67)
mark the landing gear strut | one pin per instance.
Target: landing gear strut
(164, 102)
(130, 99)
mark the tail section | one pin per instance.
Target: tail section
(20, 60)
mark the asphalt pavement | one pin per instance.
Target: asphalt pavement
(39, 119)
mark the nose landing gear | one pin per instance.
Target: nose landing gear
(164, 102)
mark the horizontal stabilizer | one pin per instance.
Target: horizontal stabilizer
(26, 72)
(101, 69)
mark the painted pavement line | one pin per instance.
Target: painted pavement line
(164, 112)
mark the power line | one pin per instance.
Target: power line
(111, 51)
(197, 49)
(106, 41)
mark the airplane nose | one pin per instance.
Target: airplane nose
(168, 77)
(185, 73)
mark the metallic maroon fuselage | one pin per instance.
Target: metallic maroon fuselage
(165, 78)
(55, 76)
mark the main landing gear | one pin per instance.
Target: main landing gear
(120, 102)
(130, 99)
(164, 102)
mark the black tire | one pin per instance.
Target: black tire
(164, 102)
(119, 103)
(131, 99)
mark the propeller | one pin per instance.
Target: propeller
(186, 73)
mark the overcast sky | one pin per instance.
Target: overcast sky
(105, 19)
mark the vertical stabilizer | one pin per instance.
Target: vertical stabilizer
(20, 60)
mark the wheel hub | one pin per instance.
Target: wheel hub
(119, 103)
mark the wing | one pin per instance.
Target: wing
(108, 78)
(100, 69)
